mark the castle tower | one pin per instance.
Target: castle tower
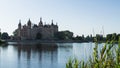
(19, 25)
(40, 23)
(52, 23)
(19, 29)
(29, 24)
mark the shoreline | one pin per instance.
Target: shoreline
(47, 41)
(42, 41)
(54, 41)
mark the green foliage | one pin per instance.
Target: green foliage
(5, 35)
(64, 35)
(113, 36)
(106, 58)
(78, 38)
(99, 37)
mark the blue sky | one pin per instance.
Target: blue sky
(78, 16)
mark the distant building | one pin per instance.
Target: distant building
(34, 31)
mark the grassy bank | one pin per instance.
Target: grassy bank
(106, 58)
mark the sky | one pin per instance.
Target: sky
(79, 16)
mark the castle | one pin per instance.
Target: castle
(31, 31)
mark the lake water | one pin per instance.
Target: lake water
(45, 55)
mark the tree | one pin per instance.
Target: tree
(5, 35)
(64, 35)
(114, 36)
(15, 33)
(118, 37)
(99, 37)
(78, 38)
(109, 37)
(87, 39)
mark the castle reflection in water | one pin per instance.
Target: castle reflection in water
(44, 55)
(44, 51)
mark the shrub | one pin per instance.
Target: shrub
(106, 58)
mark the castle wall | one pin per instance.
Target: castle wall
(28, 32)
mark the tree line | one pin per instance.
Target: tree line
(68, 35)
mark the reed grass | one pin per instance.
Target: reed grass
(106, 58)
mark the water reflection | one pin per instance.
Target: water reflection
(44, 55)
(43, 51)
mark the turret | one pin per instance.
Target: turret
(19, 29)
(56, 24)
(19, 25)
(29, 23)
(40, 23)
(52, 23)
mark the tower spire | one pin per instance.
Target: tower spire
(52, 22)
(20, 21)
(40, 18)
(40, 23)
(19, 25)
(29, 23)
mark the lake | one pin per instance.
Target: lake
(43, 55)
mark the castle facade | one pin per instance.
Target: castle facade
(31, 31)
